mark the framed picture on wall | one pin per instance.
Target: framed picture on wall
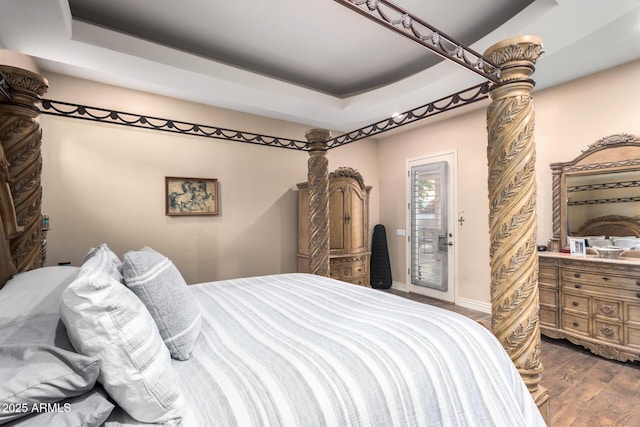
(191, 196)
(578, 246)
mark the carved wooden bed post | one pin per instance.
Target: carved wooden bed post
(21, 137)
(512, 216)
(318, 211)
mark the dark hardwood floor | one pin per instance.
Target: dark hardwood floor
(585, 390)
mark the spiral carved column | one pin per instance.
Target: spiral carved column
(512, 216)
(21, 137)
(554, 243)
(318, 211)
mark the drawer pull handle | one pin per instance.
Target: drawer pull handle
(577, 286)
(638, 282)
(577, 275)
(638, 294)
(575, 324)
(606, 279)
(574, 303)
(607, 331)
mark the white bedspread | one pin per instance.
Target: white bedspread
(302, 350)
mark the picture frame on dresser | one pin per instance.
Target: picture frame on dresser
(191, 196)
(578, 246)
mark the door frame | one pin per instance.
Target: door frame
(452, 157)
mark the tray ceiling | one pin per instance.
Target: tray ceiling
(316, 63)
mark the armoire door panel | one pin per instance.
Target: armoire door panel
(337, 214)
(357, 216)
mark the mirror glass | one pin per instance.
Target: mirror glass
(597, 195)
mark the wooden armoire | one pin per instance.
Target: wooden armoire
(348, 227)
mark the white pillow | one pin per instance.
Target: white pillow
(34, 292)
(106, 320)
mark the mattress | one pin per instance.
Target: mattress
(304, 350)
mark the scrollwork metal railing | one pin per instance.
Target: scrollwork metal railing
(459, 99)
(66, 109)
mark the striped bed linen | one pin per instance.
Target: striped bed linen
(303, 350)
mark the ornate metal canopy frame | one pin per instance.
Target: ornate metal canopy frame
(404, 23)
(97, 114)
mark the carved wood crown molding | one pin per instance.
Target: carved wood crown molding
(348, 172)
(608, 141)
(24, 80)
(521, 51)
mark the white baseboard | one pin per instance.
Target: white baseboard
(472, 304)
(399, 286)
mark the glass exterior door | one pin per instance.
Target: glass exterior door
(431, 239)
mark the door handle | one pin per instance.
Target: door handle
(443, 243)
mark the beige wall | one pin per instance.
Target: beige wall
(568, 118)
(467, 136)
(105, 183)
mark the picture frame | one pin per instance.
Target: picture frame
(578, 246)
(191, 196)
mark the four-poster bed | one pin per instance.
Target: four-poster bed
(514, 292)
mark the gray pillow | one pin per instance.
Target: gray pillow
(88, 410)
(38, 365)
(162, 289)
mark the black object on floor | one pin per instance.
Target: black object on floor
(380, 267)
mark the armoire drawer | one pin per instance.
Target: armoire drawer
(361, 281)
(341, 269)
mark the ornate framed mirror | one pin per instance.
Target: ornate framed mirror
(598, 193)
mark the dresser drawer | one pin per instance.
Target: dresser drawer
(632, 313)
(574, 323)
(601, 279)
(608, 331)
(632, 336)
(548, 275)
(548, 296)
(602, 290)
(575, 302)
(607, 309)
(549, 317)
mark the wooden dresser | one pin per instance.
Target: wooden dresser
(592, 302)
(348, 227)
